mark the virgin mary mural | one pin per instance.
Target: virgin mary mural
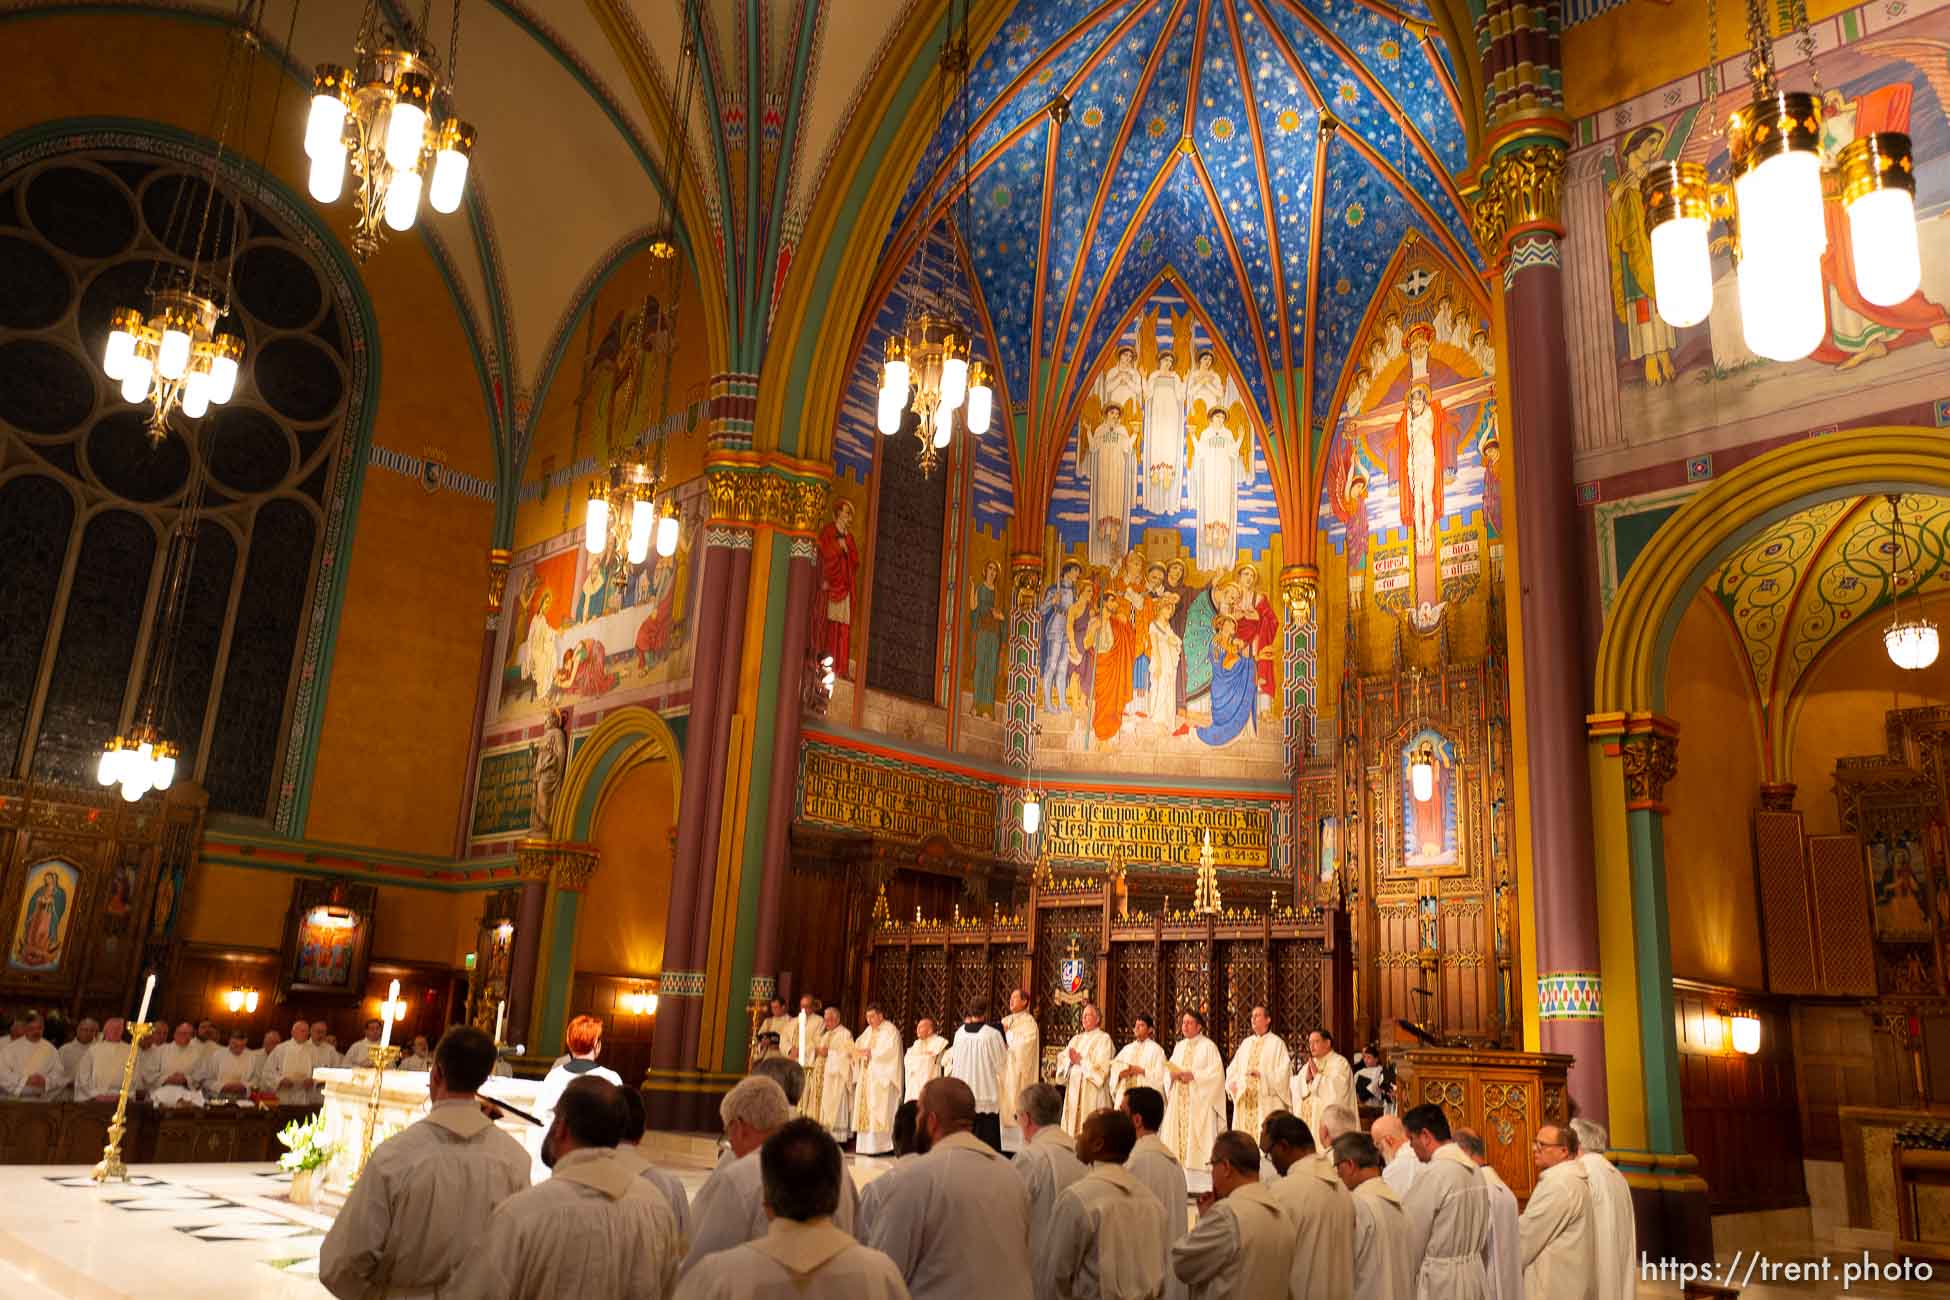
(41, 936)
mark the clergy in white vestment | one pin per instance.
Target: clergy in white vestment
(99, 1075)
(1325, 1080)
(1614, 1232)
(1555, 1231)
(1501, 1260)
(803, 1255)
(877, 1084)
(729, 1210)
(630, 1152)
(1140, 1063)
(1259, 1080)
(287, 1067)
(874, 1195)
(176, 1064)
(1219, 468)
(266, 1047)
(833, 1064)
(419, 1058)
(778, 1022)
(77, 1047)
(30, 1066)
(1102, 1240)
(1398, 1159)
(1023, 1067)
(229, 1075)
(1086, 1065)
(802, 1045)
(1381, 1265)
(1156, 1168)
(978, 1056)
(1047, 1162)
(1195, 1102)
(1311, 1193)
(421, 1207)
(1242, 1246)
(957, 1223)
(1164, 438)
(923, 1060)
(1448, 1212)
(593, 1229)
(325, 1054)
(359, 1055)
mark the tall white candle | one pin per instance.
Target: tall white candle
(386, 1020)
(148, 989)
(500, 1020)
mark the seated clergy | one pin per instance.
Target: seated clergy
(359, 1055)
(77, 1047)
(99, 1076)
(422, 1206)
(178, 1066)
(30, 1067)
(594, 1229)
(228, 1075)
(1104, 1230)
(802, 1255)
(420, 1058)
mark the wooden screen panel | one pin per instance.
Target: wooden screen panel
(1188, 984)
(1243, 965)
(1297, 1002)
(1134, 988)
(1841, 910)
(890, 985)
(1005, 976)
(928, 994)
(1786, 925)
(970, 981)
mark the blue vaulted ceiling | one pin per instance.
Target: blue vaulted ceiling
(1194, 148)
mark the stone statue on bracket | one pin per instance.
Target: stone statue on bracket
(551, 761)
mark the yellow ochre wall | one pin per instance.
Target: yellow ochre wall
(393, 745)
(620, 924)
(246, 907)
(1714, 911)
(1845, 699)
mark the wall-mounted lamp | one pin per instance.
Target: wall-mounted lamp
(393, 1010)
(505, 931)
(1746, 1032)
(244, 1000)
(640, 1003)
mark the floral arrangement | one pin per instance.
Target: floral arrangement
(308, 1148)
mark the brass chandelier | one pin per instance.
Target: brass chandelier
(390, 117)
(1776, 208)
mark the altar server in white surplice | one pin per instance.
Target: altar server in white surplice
(1109, 465)
(1242, 1247)
(1260, 1078)
(1105, 1227)
(877, 1084)
(30, 1067)
(978, 1057)
(1325, 1080)
(1086, 1069)
(1195, 1101)
(1555, 1231)
(1141, 1063)
(99, 1075)
(778, 1022)
(1501, 1259)
(1614, 1232)
(1156, 1168)
(1448, 1212)
(1164, 437)
(287, 1067)
(77, 1047)
(230, 1074)
(729, 1210)
(421, 1208)
(593, 1229)
(1218, 471)
(1023, 1067)
(834, 1061)
(1047, 1163)
(1381, 1264)
(957, 1223)
(923, 1060)
(802, 1255)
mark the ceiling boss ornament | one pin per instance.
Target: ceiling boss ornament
(390, 117)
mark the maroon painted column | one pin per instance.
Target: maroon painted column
(785, 763)
(523, 960)
(1521, 188)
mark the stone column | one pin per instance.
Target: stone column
(1650, 749)
(523, 957)
(555, 874)
(788, 706)
(1517, 222)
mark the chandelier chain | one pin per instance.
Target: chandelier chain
(453, 50)
(1760, 51)
(1805, 42)
(1715, 119)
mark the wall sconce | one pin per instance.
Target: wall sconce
(1746, 1032)
(505, 931)
(244, 1000)
(394, 1010)
(640, 1003)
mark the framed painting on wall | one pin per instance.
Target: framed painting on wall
(328, 937)
(51, 896)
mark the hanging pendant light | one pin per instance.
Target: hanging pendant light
(1679, 211)
(1421, 774)
(1911, 643)
(1879, 188)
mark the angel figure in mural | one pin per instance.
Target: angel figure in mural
(985, 628)
(839, 569)
(1425, 453)
(1053, 631)
(1204, 384)
(1110, 466)
(1164, 436)
(1650, 339)
(1123, 383)
(1219, 469)
(551, 758)
(619, 390)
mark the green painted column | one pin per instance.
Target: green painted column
(1650, 750)
(567, 868)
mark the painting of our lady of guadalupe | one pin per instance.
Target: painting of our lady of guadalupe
(40, 939)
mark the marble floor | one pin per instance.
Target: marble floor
(230, 1232)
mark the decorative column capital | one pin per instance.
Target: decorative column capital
(1777, 796)
(1300, 587)
(1026, 578)
(1650, 748)
(749, 491)
(558, 863)
(1519, 192)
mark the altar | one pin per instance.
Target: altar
(402, 1100)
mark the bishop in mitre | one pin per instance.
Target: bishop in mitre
(834, 1067)
(1023, 1066)
(1141, 1063)
(877, 1083)
(923, 1061)
(1195, 1106)
(1260, 1078)
(1326, 1080)
(1086, 1070)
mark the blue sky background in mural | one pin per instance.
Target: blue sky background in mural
(1259, 514)
(853, 442)
(1176, 108)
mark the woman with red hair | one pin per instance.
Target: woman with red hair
(585, 1042)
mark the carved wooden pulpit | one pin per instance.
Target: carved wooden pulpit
(1505, 1096)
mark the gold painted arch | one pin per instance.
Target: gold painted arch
(625, 739)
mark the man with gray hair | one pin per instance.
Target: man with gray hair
(1615, 1234)
(1334, 1121)
(730, 1208)
(1500, 1257)
(1382, 1269)
(787, 1073)
(1047, 1163)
